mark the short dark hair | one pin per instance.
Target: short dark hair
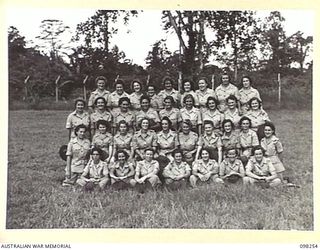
(123, 99)
(211, 98)
(79, 100)
(77, 128)
(136, 80)
(271, 125)
(208, 122)
(103, 122)
(248, 77)
(255, 148)
(116, 155)
(123, 122)
(167, 78)
(149, 149)
(188, 96)
(206, 149)
(187, 80)
(226, 121)
(166, 118)
(232, 97)
(119, 81)
(188, 122)
(144, 118)
(96, 149)
(176, 151)
(254, 99)
(144, 97)
(98, 78)
(245, 118)
(100, 98)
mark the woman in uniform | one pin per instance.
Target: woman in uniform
(100, 113)
(232, 112)
(124, 113)
(246, 93)
(101, 91)
(136, 94)
(204, 92)
(148, 112)
(172, 113)
(230, 138)
(189, 112)
(187, 88)
(123, 140)
(168, 91)
(211, 113)
(113, 101)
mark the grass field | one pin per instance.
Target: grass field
(36, 199)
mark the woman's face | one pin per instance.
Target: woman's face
(123, 128)
(119, 89)
(151, 91)
(185, 128)
(268, 132)
(258, 154)
(136, 87)
(212, 105)
(145, 124)
(187, 86)
(225, 79)
(124, 106)
(202, 84)
(231, 104)
(165, 125)
(168, 85)
(167, 104)
(121, 157)
(81, 133)
(149, 155)
(95, 156)
(232, 155)
(101, 104)
(102, 128)
(245, 125)
(189, 103)
(205, 155)
(79, 107)
(208, 129)
(246, 82)
(227, 127)
(254, 105)
(178, 157)
(145, 104)
(101, 84)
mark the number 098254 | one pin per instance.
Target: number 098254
(309, 246)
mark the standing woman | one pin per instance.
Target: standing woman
(230, 138)
(246, 93)
(257, 116)
(189, 112)
(77, 155)
(232, 111)
(101, 91)
(113, 100)
(154, 99)
(100, 113)
(204, 92)
(211, 113)
(168, 91)
(224, 90)
(77, 117)
(187, 88)
(135, 96)
(248, 139)
(172, 113)
(124, 113)
(148, 112)
(144, 138)
(188, 141)
(123, 140)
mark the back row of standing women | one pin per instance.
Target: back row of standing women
(217, 120)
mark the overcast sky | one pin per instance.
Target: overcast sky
(145, 29)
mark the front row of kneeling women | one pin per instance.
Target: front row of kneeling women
(176, 173)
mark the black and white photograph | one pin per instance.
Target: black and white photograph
(93, 141)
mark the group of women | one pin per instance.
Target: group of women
(172, 137)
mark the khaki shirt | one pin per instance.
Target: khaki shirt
(227, 168)
(97, 115)
(102, 141)
(167, 142)
(257, 118)
(188, 142)
(135, 100)
(193, 115)
(95, 94)
(143, 141)
(249, 139)
(231, 141)
(78, 150)
(233, 116)
(122, 171)
(203, 96)
(154, 102)
(223, 93)
(129, 117)
(173, 115)
(96, 171)
(264, 168)
(163, 94)
(195, 97)
(272, 146)
(123, 142)
(204, 168)
(151, 114)
(246, 94)
(75, 119)
(216, 117)
(113, 100)
(173, 169)
(144, 167)
(212, 141)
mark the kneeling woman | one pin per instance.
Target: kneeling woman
(95, 173)
(205, 169)
(122, 171)
(147, 169)
(260, 169)
(231, 168)
(177, 172)
(77, 155)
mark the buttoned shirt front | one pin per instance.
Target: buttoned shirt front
(228, 168)
(102, 141)
(151, 114)
(174, 170)
(78, 149)
(194, 95)
(193, 115)
(144, 167)
(144, 140)
(167, 141)
(135, 100)
(263, 168)
(123, 142)
(74, 119)
(163, 94)
(122, 171)
(212, 141)
(203, 96)
(216, 117)
(96, 171)
(129, 117)
(173, 115)
(248, 139)
(204, 168)
(154, 102)
(97, 93)
(188, 142)
(97, 115)
(272, 146)
(223, 93)
(246, 94)
(233, 116)
(257, 118)
(230, 141)
(113, 100)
